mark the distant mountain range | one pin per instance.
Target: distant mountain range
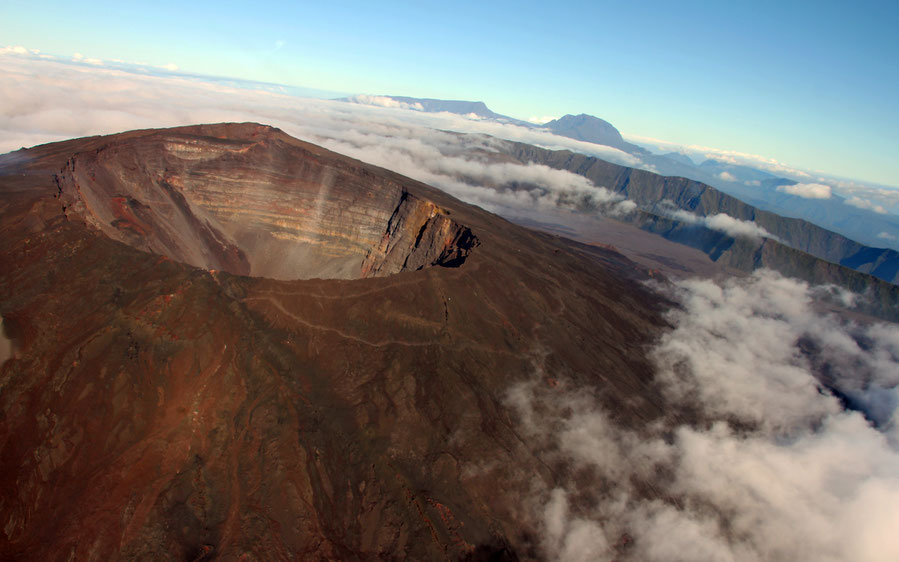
(860, 238)
(792, 249)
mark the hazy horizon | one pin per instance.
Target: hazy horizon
(813, 88)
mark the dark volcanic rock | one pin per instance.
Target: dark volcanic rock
(156, 409)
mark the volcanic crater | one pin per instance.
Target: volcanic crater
(257, 203)
(155, 410)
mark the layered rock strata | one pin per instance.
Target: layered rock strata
(259, 206)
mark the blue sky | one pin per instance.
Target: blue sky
(811, 84)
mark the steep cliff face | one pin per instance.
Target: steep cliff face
(256, 205)
(419, 234)
(649, 190)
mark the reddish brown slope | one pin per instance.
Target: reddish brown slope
(154, 408)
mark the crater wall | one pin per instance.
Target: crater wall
(257, 207)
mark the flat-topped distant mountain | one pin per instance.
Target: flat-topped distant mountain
(428, 105)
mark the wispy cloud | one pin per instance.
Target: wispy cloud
(279, 44)
(720, 222)
(78, 57)
(880, 195)
(865, 204)
(385, 101)
(15, 49)
(886, 197)
(807, 190)
(700, 152)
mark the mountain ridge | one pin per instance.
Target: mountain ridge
(832, 214)
(652, 193)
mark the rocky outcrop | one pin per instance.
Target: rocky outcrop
(419, 234)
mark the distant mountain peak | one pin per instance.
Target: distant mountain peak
(586, 128)
(589, 128)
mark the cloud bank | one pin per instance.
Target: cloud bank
(50, 100)
(384, 101)
(776, 468)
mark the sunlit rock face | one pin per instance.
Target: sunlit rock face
(256, 203)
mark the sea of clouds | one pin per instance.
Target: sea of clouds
(45, 99)
(778, 468)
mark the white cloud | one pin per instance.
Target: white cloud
(735, 157)
(735, 227)
(886, 197)
(720, 222)
(78, 57)
(865, 204)
(15, 50)
(773, 469)
(53, 84)
(541, 120)
(887, 236)
(44, 101)
(807, 190)
(727, 176)
(384, 101)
